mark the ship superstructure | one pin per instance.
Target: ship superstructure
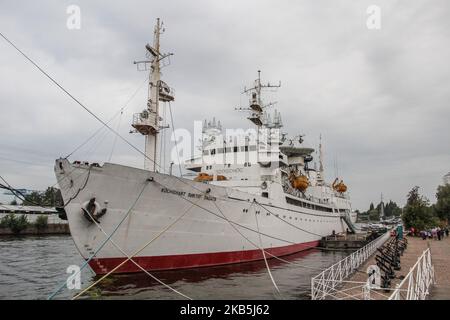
(255, 194)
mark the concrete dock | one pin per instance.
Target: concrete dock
(347, 241)
(440, 255)
(59, 228)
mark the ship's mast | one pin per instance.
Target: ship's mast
(148, 122)
(381, 208)
(320, 178)
(152, 139)
(256, 104)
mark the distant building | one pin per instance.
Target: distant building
(446, 178)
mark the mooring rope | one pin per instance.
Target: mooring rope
(258, 247)
(135, 253)
(79, 189)
(175, 138)
(292, 225)
(102, 244)
(264, 255)
(137, 264)
(120, 111)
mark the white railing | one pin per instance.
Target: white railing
(416, 284)
(328, 280)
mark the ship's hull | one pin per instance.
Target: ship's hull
(166, 222)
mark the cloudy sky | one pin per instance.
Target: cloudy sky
(380, 98)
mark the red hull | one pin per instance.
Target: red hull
(184, 261)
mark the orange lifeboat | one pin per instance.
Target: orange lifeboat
(221, 178)
(203, 177)
(300, 182)
(339, 187)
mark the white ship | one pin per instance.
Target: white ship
(253, 196)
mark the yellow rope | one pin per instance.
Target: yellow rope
(137, 252)
(264, 255)
(137, 264)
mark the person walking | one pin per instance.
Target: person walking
(446, 231)
(423, 234)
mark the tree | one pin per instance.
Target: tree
(374, 215)
(13, 203)
(49, 198)
(392, 209)
(371, 206)
(417, 212)
(442, 206)
(33, 199)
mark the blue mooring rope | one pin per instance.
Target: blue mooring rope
(50, 297)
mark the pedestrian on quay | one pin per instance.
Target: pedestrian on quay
(439, 234)
(423, 234)
(434, 233)
(446, 231)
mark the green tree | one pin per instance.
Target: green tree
(418, 212)
(392, 209)
(49, 198)
(374, 215)
(41, 222)
(371, 206)
(16, 224)
(13, 203)
(34, 198)
(442, 206)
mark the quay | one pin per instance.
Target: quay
(38, 221)
(421, 259)
(53, 228)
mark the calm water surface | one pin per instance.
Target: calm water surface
(34, 267)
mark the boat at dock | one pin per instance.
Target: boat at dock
(252, 196)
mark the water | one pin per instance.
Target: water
(33, 267)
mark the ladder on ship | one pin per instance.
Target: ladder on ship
(348, 221)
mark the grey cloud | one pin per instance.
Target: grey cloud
(379, 98)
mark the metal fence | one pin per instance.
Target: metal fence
(328, 280)
(416, 285)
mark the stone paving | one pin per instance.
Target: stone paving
(440, 255)
(440, 252)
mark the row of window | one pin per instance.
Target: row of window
(290, 217)
(229, 150)
(246, 164)
(302, 204)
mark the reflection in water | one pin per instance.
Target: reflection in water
(237, 281)
(33, 267)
